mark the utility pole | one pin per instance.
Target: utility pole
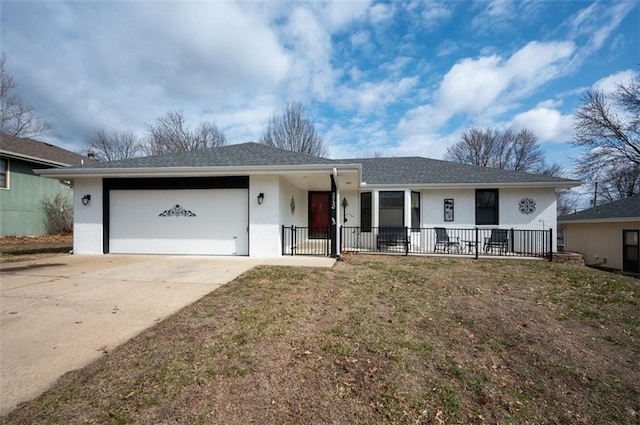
(595, 195)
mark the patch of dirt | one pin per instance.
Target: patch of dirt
(376, 339)
(23, 248)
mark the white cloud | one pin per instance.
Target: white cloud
(610, 83)
(597, 21)
(496, 15)
(360, 38)
(474, 85)
(397, 65)
(160, 58)
(447, 48)
(500, 8)
(431, 145)
(358, 138)
(356, 74)
(312, 73)
(536, 63)
(421, 120)
(380, 12)
(340, 14)
(547, 123)
(435, 12)
(369, 96)
(550, 103)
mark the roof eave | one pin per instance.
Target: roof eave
(491, 185)
(599, 220)
(43, 161)
(195, 171)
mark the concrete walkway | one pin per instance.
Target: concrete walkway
(61, 313)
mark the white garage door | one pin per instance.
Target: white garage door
(185, 221)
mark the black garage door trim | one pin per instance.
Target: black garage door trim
(161, 183)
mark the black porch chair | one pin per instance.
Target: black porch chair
(499, 239)
(392, 236)
(444, 242)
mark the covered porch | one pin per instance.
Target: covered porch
(470, 242)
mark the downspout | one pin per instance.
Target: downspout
(333, 231)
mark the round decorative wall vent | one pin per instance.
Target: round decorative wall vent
(293, 205)
(527, 206)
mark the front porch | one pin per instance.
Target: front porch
(468, 242)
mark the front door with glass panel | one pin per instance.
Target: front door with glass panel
(319, 214)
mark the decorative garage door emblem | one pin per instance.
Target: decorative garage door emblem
(527, 206)
(176, 211)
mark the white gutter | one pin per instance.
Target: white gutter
(15, 155)
(601, 220)
(567, 184)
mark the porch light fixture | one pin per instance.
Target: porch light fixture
(86, 199)
(260, 198)
(344, 205)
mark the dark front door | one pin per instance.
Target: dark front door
(319, 214)
(630, 252)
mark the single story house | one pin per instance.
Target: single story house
(21, 190)
(239, 199)
(606, 235)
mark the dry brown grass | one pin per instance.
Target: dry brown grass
(376, 340)
(24, 248)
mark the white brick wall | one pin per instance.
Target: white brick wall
(264, 220)
(87, 219)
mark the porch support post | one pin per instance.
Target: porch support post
(333, 225)
(407, 208)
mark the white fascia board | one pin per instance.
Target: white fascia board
(196, 171)
(524, 185)
(601, 220)
(32, 159)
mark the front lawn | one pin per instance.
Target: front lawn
(25, 248)
(376, 339)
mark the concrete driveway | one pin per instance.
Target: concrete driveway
(60, 313)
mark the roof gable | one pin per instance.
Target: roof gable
(33, 150)
(622, 208)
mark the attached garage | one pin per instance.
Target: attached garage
(177, 216)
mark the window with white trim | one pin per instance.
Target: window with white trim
(4, 173)
(391, 209)
(486, 206)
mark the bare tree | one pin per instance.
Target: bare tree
(16, 117)
(170, 133)
(113, 145)
(618, 183)
(567, 202)
(372, 154)
(608, 127)
(294, 131)
(503, 149)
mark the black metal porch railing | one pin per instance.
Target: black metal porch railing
(306, 241)
(473, 242)
(438, 240)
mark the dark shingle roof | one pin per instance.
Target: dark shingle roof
(45, 152)
(244, 154)
(622, 208)
(418, 170)
(396, 170)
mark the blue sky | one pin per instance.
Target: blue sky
(400, 78)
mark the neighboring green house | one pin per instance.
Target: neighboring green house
(22, 190)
